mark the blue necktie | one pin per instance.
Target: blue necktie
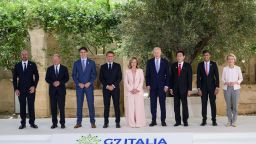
(83, 64)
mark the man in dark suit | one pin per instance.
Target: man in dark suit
(181, 87)
(56, 77)
(208, 85)
(157, 82)
(25, 79)
(84, 75)
(110, 77)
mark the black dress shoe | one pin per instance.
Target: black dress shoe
(63, 126)
(22, 126)
(34, 126)
(152, 124)
(203, 123)
(214, 124)
(177, 124)
(185, 124)
(164, 124)
(105, 125)
(118, 125)
(54, 126)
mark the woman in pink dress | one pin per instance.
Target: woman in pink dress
(134, 80)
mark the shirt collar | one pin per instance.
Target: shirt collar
(83, 59)
(158, 59)
(58, 65)
(110, 63)
(25, 62)
(181, 63)
(207, 62)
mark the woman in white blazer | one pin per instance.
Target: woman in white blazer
(232, 78)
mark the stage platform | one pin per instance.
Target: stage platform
(244, 133)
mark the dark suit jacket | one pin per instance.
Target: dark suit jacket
(183, 83)
(157, 80)
(113, 76)
(209, 82)
(51, 77)
(26, 78)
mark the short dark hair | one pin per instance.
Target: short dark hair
(83, 48)
(110, 52)
(206, 51)
(180, 51)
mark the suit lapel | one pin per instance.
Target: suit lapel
(60, 70)
(183, 68)
(210, 68)
(21, 66)
(80, 65)
(154, 65)
(176, 68)
(161, 65)
(53, 71)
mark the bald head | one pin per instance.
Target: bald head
(56, 59)
(24, 55)
(157, 52)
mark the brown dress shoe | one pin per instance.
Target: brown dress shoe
(77, 126)
(93, 125)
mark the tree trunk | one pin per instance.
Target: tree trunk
(199, 47)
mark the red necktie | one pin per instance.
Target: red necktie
(179, 69)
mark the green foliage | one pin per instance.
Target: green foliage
(137, 26)
(13, 33)
(74, 23)
(220, 26)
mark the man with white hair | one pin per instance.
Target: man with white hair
(56, 77)
(157, 82)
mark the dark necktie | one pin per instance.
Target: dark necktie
(56, 71)
(25, 67)
(109, 66)
(179, 69)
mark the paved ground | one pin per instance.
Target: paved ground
(245, 124)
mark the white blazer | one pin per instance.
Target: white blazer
(232, 75)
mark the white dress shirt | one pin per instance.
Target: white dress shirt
(58, 68)
(157, 62)
(232, 75)
(23, 64)
(111, 64)
(181, 64)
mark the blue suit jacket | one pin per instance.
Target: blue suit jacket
(89, 75)
(157, 80)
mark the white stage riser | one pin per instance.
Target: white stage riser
(177, 138)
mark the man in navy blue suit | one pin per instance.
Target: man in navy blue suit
(84, 75)
(157, 82)
(25, 79)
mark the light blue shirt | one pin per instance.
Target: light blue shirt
(157, 64)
